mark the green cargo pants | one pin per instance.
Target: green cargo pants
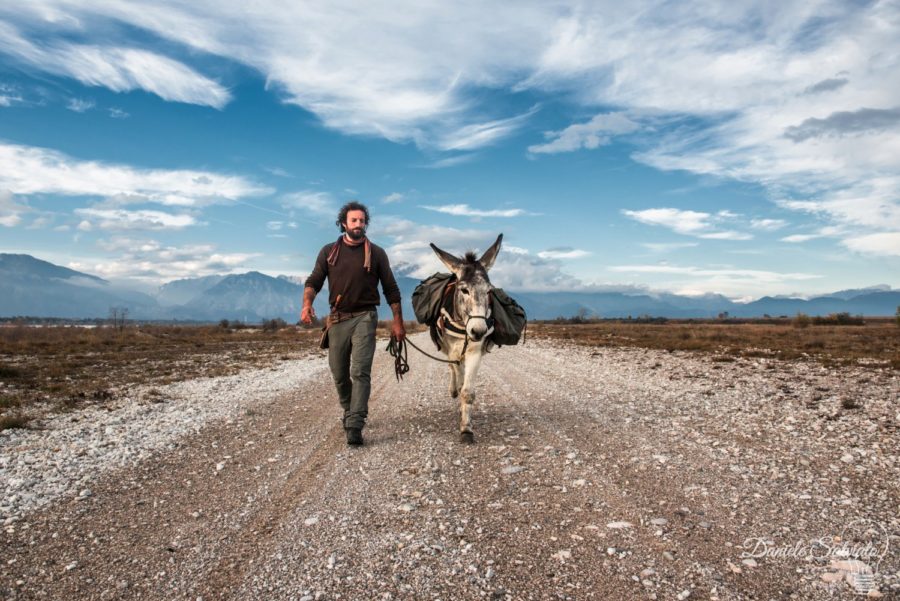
(351, 348)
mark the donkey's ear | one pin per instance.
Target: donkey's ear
(487, 259)
(453, 264)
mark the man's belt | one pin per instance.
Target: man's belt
(339, 316)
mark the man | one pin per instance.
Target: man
(354, 266)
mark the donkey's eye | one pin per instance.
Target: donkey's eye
(464, 290)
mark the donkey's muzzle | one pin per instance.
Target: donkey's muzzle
(481, 328)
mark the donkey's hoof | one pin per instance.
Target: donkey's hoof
(466, 437)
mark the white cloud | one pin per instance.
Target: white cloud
(478, 135)
(10, 211)
(151, 261)
(9, 95)
(564, 252)
(79, 105)
(464, 210)
(402, 74)
(689, 223)
(596, 132)
(882, 243)
(799, 98)
(40, 223)
(451, 161)
(120, 69)
(768, 225)
(120, 219)
(722, 280)
(274, 225)
(795, 238)
(515, 268)
(28, 170)
(667, 246)
(319, 204)
(278, 171)
(117, 113)
(392, 197)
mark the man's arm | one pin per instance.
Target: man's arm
(392, 294)
(397, 328)
(313, 284)
(308, 314)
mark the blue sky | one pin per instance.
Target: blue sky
(738, 148)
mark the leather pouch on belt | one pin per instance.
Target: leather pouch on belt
(323, 341)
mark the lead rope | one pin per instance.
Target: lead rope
(399, 353)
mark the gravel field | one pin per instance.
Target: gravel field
(596, 474)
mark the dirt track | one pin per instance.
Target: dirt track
(576, 452)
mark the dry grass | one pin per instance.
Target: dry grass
(60, 368)
(64, 368)
(875, 344)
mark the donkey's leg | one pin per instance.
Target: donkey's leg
(467, 397)
(455, 378)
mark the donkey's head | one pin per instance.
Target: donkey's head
(472, 298)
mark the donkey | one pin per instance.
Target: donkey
(465, 326)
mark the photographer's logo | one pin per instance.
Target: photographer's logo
(854, 555)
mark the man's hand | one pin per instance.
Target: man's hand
(398, 330)
(308, 314)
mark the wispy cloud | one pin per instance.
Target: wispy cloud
(120, 69)
(29, 170)
(319, 204)
(9, 95)
(796, 238)
(515, 268)
(392, 197)
(152, 261)
(563, 252)
(79, 105)
(691, 223)
(827, 85)
(756, 274)
(768, 225)
(359, 71)
(121, 219)
(667, 246)
(10, 211)
(719, 279)
(464, 210)
(596, 132)
(278, 171)
(478, 135)
(821, 125)
(885, 244)
(451, 161)
(844, 123)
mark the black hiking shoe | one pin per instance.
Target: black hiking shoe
(354, 437)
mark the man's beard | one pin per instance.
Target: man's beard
(357, 233)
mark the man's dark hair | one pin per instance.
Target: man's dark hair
(350, 206)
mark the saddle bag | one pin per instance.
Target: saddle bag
(428, 295)
(510, 320)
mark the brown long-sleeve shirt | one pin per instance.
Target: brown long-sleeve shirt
(348, 277)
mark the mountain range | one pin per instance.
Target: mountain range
(36, 288)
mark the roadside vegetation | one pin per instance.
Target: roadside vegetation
(59, 368)
(833, 340)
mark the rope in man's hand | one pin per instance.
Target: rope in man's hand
(398, 352)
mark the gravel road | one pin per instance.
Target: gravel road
(596, 474)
